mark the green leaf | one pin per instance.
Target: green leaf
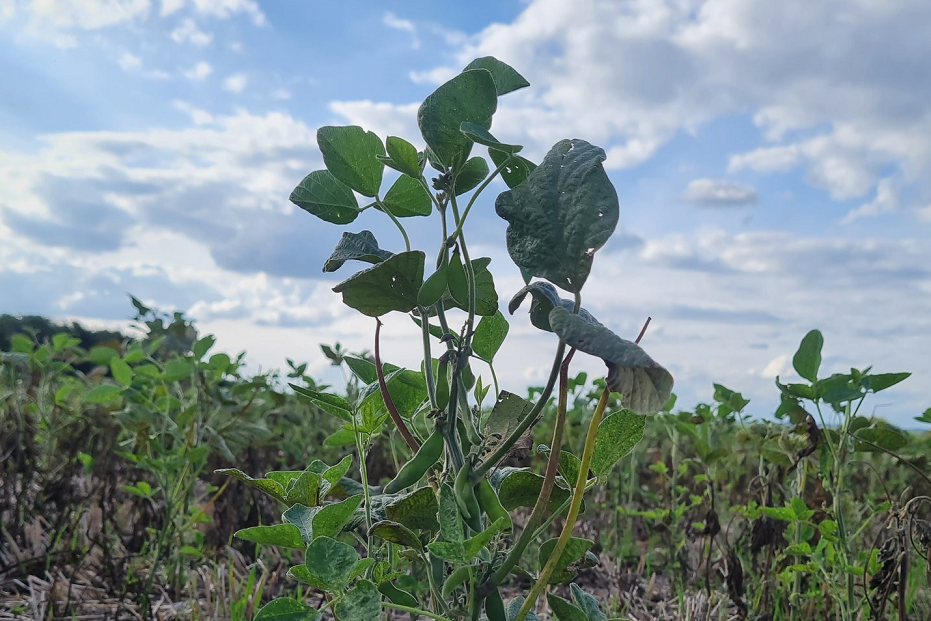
(517, 169)
(104, 393)
(121, 371)
(489, 336)
(472, 173)
(882, 434)
(396, 532)
(408, 390)
(617, 435)
(362, 603)
(505, 416)
(343, 437)
(470, 96)
(807, 359)
(645, 386)
(177, 369)
(331, 518)
(334, 404)
(202, 346)
(486, 296)
(355, 247)
(564, 212)
(330, 563)
(780, 513)
(389, 286)
(473, 545)
(506, 78)
(450, 520)
(268, 486)
(514, 606)
(404, 156)
(543, 299)
(480, 135)
(101, 354)
(286, 535)
(350, 155)
(521, 488)
(416, 510)
(587, 604)
(287, 609)
(306, 489)
(407, 197)
(565, 610)
(323, 195)
(882, 381)
(335, 474)
(575, 550)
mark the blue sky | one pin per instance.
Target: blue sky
(771, 161)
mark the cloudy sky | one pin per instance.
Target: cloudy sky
(771, 159)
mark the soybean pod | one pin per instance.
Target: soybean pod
(494, 606)
(459, 576)
(490, 503)
(411, 472)
(465, 498)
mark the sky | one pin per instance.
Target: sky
(771, 161)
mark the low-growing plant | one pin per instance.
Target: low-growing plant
(444, 520)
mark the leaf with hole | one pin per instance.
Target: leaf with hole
(389, 286)
(323, 195)
(355, 247)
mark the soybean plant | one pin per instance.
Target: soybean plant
(445, 520)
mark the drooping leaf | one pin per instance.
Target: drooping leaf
(287, 609)
(517, 169)
(355, 247)
(505, 416)
(362, 603)
(268, 486)
(286, 535)
(472, 173)
(617, 435)
(396, 533)
(480, 135)
(470, 96)
(881, 434)
(323, 195)
(334, 404)
(350, 155)
(565, 211)
(404, 155)
(489, 335)
(407, 197)
(506, 78)
(543, 299)
(807, 359)
(645, 386)
(575, 549)
(389, 286)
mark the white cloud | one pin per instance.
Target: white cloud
(719, 193)
(198, 116)
(282, 94)
(393, 21)
(129, 62)
(7, 10)
(223, 9)
(885, 201)
(88, 14)
(188, 32)
(199, 71)
(235, 83)
(171, 6)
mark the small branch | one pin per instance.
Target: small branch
(389, 402)
(643, 330)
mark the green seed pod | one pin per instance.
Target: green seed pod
(411, 472)
(494, 606)
(442, 384)
(490, 503)
(459, 576)
(433, 288)
(457, 282)
(397, 596)
(465, 498)
(468, 378)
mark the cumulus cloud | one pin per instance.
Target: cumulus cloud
(188, 32)
(719, 193)
(199, 71)
(235, 83)
(393, 21)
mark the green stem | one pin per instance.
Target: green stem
(381, 207)
(574, 508)
(465, 214)
(467, 263)
(549, 481)
(427, 357)
(414, 611)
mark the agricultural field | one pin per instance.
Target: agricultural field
(503, 439)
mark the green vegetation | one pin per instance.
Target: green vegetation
(414, 492)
